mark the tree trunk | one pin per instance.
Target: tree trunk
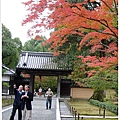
(98, 95)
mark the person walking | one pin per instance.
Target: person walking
(26, 106)
(40, 91)
(17, 102)
(49, 95)
(34, 92)
(45, 90)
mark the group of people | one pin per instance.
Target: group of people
(22, 102)
(40, 91)
(48, 94)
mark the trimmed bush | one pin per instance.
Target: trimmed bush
(98, 95)
(111, 107)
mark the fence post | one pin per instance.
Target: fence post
(99, 111)
(11, 99)
(3, 101)
(81, 118)
(75, 114)
(104, 113)
(73, 111)
(70, 108)
(78, 116)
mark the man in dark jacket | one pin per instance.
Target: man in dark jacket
(26, 107)
(17, 103)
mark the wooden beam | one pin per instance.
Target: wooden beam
(43, 72)
(58, 87)
(32, 83)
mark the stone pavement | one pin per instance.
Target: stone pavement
(39, 111)
(64, 112)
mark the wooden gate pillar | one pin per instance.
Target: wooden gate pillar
(58, 87)
(32, 83)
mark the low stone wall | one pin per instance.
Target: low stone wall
(84, 93)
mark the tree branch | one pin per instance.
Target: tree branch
(110, 28)
(116, 7)
(75, 6)
(98, 31)
(104, 45)
(101, 23)
(98, 20)
(107, 5)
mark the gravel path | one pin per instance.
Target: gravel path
(39, 111)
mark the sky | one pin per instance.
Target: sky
(12, 14)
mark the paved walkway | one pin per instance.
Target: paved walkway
(39, 111)
(65, 113)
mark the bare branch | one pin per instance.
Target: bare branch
(116, 7)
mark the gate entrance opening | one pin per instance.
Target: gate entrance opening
(43, 64)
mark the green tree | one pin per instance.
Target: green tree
(98, 80)
(69, 51)
(10, 48)
(6, 34)
(49, 82)
(35, 45)
(102, 81)
(29, 45)
(18, 44)
(46, 81)
(5, 84)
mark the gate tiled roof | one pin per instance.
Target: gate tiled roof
(40, 61)
(8, 71)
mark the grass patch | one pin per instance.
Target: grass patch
(6, 102)
(85, 108)
(111, 95)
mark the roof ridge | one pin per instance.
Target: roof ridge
(35, 52)
(30, 53)
(8, 69)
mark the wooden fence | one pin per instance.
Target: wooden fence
(75, 113)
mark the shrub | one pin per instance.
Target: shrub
(111, 107)
(98, 95)
(116, 89)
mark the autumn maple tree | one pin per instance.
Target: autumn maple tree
(95, 21)
(98, 27)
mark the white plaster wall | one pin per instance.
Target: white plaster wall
(5, 78)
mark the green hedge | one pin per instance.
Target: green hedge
(6, 102)
(111, 107)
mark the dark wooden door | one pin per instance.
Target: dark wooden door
(65, 87)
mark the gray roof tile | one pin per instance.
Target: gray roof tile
(39, 60)
(8, 71)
